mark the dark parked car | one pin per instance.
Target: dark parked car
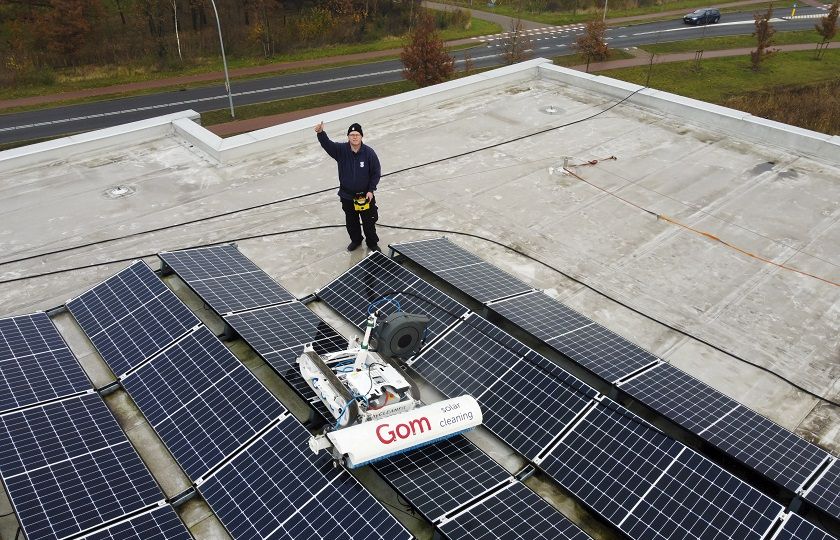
(702, 16)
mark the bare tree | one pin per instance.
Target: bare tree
(764, 37)
(827, 28)
(516, 44)
(424, 58)
(591, 45)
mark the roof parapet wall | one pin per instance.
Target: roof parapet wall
(738, 123)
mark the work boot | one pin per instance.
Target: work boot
(374, 247)
(353, 245)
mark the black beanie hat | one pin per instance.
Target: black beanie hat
(355, 127)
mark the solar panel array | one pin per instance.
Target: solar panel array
(277, 488)
(225, 279)
(514, 512)
(203, 403)
(442, 477)
(650, 486)
(208, 409)
(375, 280)
(69, 468)
(278, 334)
(825, 493)
(131, 316)
(526, 401)
(743, 434)
(435, 479)
(162, 523)
(796, 528)
(35, 363)
(460, 268)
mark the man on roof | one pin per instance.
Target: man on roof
(358, 176)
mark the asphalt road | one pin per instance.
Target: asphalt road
(548, 42)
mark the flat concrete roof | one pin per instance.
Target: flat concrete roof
(704, 218)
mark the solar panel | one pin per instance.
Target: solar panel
(679, 397)
(525, 399)
(766, 447)
(68, 467)
(131, 316)
(515, 512)
(610, 460)
(439, 478)
(159, 524)
(201, 400)
(602, 352)
(697, 499)
(825, 494)
(225, 279)
(461, 269)
(35, 363)
(279, 488)
(278, 334)
(541, 315)
(796, 528)
(377, 278)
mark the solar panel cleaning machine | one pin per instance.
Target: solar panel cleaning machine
(377, 408)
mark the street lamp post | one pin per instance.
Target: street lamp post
(224, 61)
(605, 10)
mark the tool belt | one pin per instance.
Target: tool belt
(360, 202)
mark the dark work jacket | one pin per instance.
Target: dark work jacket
(358, 172)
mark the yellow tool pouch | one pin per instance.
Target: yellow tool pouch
(360, 204)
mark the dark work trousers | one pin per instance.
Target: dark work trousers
(368, 222)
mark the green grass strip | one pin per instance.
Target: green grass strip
(720, 78)
(732, 42)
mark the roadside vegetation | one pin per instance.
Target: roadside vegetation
(791, 87)
(65, 45)
(731, 42)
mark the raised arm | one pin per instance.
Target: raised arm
(329, 147)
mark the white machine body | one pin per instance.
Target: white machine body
(376, 408)
(384, 388)
(378, 439)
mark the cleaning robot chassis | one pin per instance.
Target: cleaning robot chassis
(377, 409)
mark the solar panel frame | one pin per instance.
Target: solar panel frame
(512, 513)
(278, 334)
(203, 403)
(679, 397)
(56, 431)
(224, 278)
(610, 459)
(131, 316)
(825, 493)
(463, 270)
(279, 488)
(439, 478)
(766, 447)
(525, 399)
(159, 524)
(695, 498)
(540, 315)
(796, 528)
(36, 365)
(602, 351)
(68, 467)
(377, 277)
